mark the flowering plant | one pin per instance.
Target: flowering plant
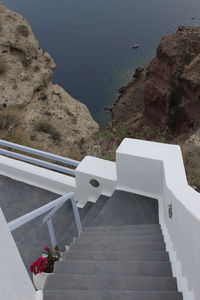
(46, 264)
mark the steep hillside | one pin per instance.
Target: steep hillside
(162, 103)
(33, 111)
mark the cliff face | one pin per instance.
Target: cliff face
(165, 95)
(33, 110)
(162, 103)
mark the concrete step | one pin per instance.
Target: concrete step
(95, 210)
(69, 223)
(106, 282)
(83, 212)
(151, 231)
(122, 227)
(119, 239)
(112, 295)
(125, 208)
(121, 268)
(142, 255)
(130, 245)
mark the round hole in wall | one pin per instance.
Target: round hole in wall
(94, 183)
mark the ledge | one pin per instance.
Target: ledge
(36, 176)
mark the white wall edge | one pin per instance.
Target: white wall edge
(39, 295)
(135, 191)
(182, 281)
(80, 205)
(97, 169)
(176, 267)
(143, 167)
(37, 176)
(15, 281)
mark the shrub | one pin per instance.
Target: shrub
(8, 119)
(46, 127)
(105, 134)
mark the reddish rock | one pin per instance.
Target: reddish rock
(168, 90)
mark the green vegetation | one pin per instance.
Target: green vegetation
(187, 59)
(109, 139)
(175, 98)
(123, 133)
(106, 134)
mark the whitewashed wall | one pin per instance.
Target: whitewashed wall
(140, 166)
(37, 176)
(147, 168)
(183, 233)
(94, 168)
(157, 170)
(15, 283)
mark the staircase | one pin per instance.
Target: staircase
(119, 256)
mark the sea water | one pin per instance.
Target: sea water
(91, 40)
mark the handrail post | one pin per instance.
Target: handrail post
(51, 233)
(76, 215)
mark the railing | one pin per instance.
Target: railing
(40, 153)
(56, 204)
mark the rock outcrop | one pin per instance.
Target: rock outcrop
(191, 154)
(33, 110)
(165, 95)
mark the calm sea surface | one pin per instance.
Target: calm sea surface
(90, 40)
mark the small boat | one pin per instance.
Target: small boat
(107, 110)
(135, 46)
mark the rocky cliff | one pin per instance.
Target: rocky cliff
(164, 97)
(162, 103)
(33, 111)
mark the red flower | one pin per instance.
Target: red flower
(46, 264)
(39, 265)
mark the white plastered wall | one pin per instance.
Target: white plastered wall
(15, 283)
(157, 170)
(94, 168)
(36, 176)
(140, 166)
(146, 168)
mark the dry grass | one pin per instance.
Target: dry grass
(8, 119)
(3, 66)
(10, 126)
(74, 153)
(191, 157)
(46, 127)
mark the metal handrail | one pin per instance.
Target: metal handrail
(38, 162)
(56, 204)
(40, 153)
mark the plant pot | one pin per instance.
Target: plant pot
(40, 279)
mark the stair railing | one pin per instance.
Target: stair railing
(40, 153)
(56, 204)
